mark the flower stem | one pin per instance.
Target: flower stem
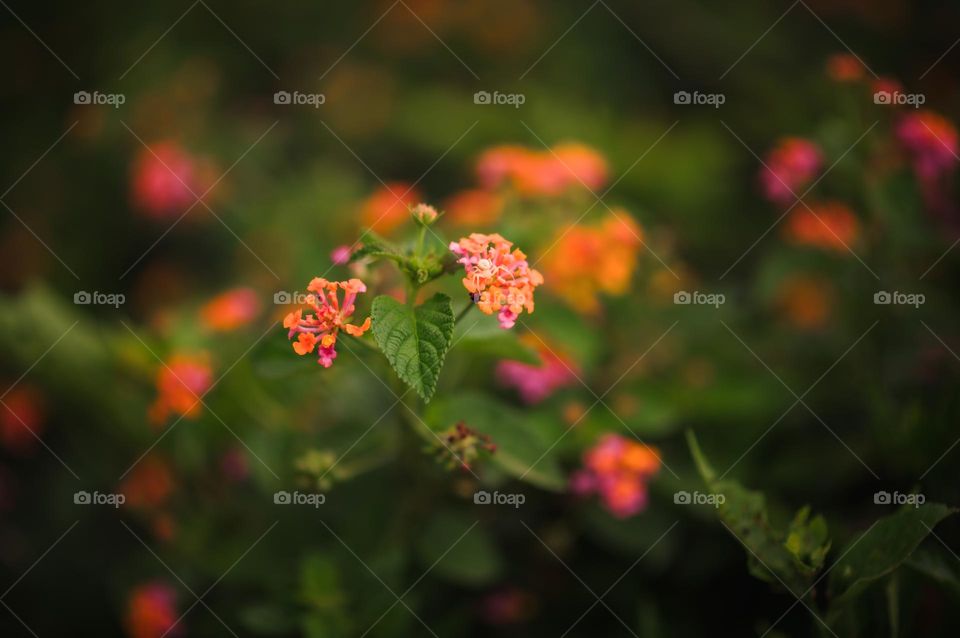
(463, 313)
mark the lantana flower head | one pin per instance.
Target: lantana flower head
(320, 329)
(931, 140)
(618, 469)
(789, 167)
(498, 277)
(230, 310)
(535, 383)
(152, 611)
(830, 225)
(181, 383)
(587, 260)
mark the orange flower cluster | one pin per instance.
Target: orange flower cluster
(548, 172)
(320, 329)
(180, 384)
(618, 469)
(499, 278)
(830, 225)
(587, 260)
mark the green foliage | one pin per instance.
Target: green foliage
(415, 340)
(882, 548)
(459, 550)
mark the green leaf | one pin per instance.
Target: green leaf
(414, 340)
(789, 558)
(882, 548)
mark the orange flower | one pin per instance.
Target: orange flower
(585, 261)
(230, 310)
(499, 278)
(474, 207)
(21, 421)
(829, 225)
(181, 383)
(388, 207)
(152, 611)
(320, 330)
(549, 172)
(845, 67)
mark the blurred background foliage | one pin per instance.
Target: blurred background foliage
(284, 185)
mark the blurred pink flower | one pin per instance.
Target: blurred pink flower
(618, 469)
(167, 180)
(535, 383)
(931, 140)
(340, 255)
(790, 166)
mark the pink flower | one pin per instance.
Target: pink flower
(340, 255)
(499, 278)
(167, 180)
(618, 470)
(320, 330)
(931, 140)
(535, 383)
(790, 166)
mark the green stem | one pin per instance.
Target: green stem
(463, 313)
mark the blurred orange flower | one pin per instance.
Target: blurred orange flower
(149, 484)
(388, 207)
(585, 260)
(21, 421)
(618, 469)
(845, 67)
(230, 310)
(549, 172)
(474, 207)
(181, 383)
(152, 611)
(830, 225)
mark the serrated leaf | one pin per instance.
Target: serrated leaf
(882, 549)
(414, 340)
